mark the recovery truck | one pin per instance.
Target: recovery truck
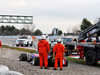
(91, 51)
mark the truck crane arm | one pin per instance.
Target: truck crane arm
(90, 31)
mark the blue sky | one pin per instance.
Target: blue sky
(47, 14)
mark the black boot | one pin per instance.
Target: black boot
(61, 69)
(41, 67)
(46, 68)
(54, 69)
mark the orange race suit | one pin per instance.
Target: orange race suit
(80, 49)
(43, 49)
(0, 44)
(59, 50)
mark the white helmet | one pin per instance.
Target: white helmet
(43, 37)
(58, 40)
(46, 36)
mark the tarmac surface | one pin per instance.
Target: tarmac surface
(11, 42)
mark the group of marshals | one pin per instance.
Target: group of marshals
(44, 50)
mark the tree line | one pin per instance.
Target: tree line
(29, 30)
(11, 30)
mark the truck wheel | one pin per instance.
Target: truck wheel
(91, 58)
(31, 44)
(27, 44)
(69, 52)
(17, 45)
(36, 61)
(21, 45)
(23, 57)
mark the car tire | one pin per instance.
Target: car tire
(51, 61)
(36, 61)
(23, 57)
(66, 62)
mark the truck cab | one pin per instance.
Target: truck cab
(69, 39)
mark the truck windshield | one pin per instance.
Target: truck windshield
(23, 38)
(66, 40)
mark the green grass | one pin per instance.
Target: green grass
(79, 61)
(19, 49)
(76, 60)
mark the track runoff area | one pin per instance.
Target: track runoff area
(74, 55)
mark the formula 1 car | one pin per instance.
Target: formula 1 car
(33, 59)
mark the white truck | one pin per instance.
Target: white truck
(24, 40)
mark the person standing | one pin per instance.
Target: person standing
(58, 53)
(80, 49)
(43, 49)
(1, 46)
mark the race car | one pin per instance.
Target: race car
(33, 59)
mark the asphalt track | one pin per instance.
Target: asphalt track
(11, 42)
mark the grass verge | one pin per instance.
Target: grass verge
(79, 61)
(19, 49)
(76, 60)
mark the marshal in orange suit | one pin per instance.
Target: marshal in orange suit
(43, 49)
(58, 53)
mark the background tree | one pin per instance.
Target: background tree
(16, 32)
(25, 32)
(38, 32)
(29, 27)
(76, 29)
(2, 28)
(85, 24)
(8, 30)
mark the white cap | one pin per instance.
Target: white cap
(43, 37)
(58, 40)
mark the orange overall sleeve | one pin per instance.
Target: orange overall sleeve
(38, 46)
(54, 49)
(47, 45)
(62, 48)
(0, 44)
